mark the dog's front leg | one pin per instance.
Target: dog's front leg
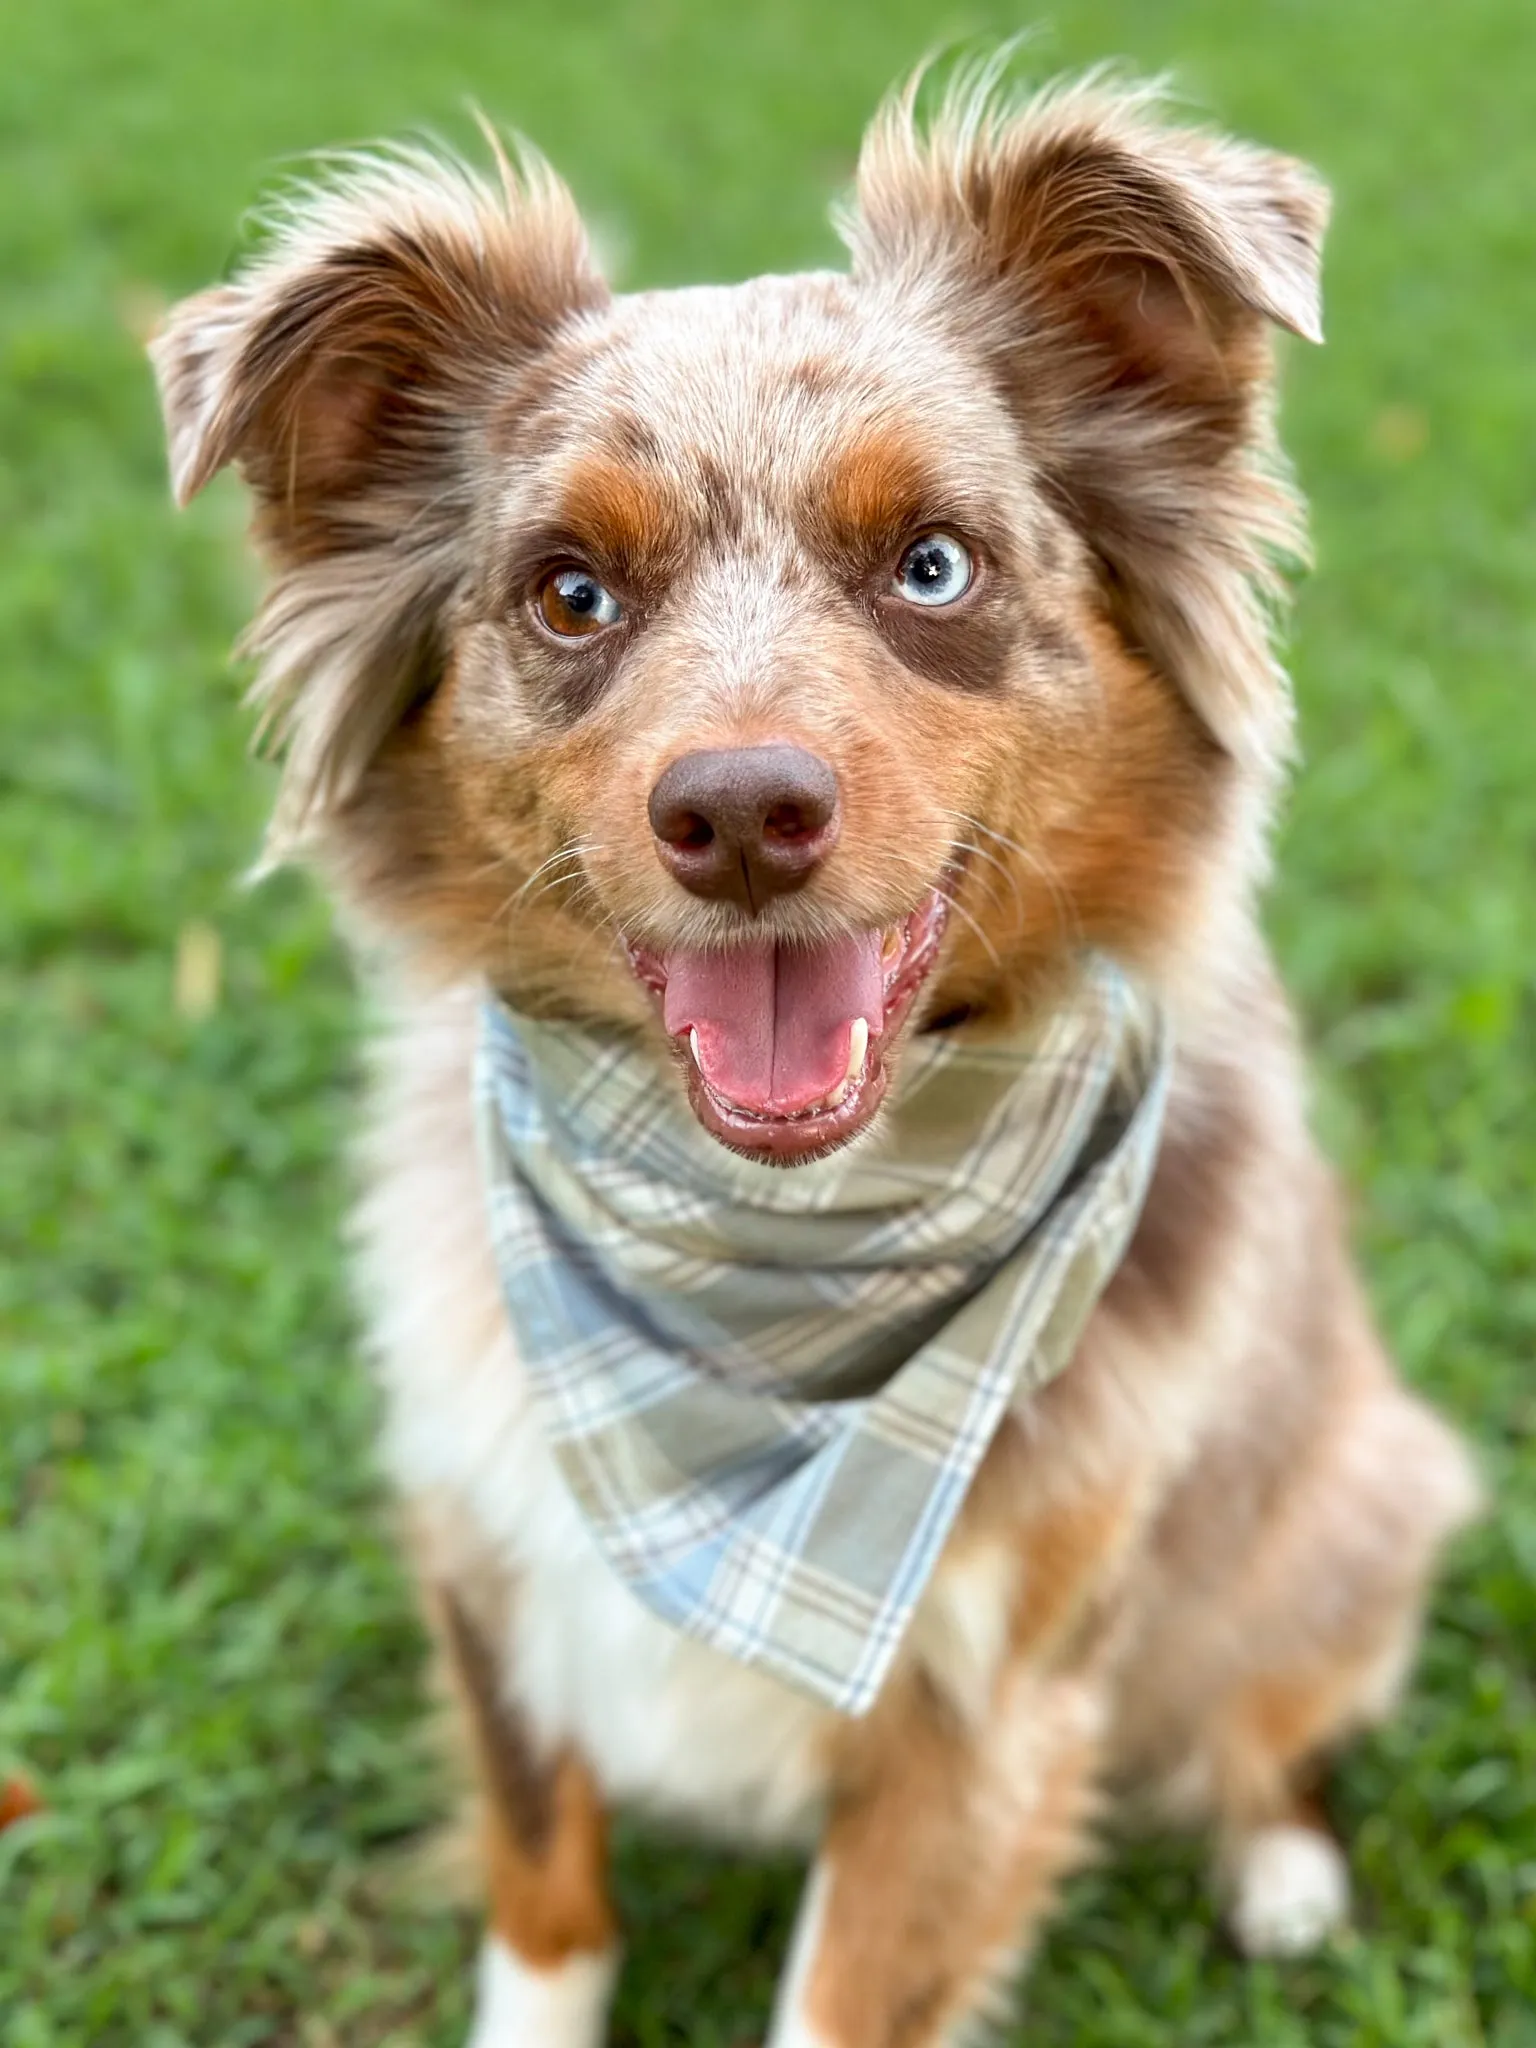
(945, 1841)
(550, 1953)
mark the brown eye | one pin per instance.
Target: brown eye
(573, 603)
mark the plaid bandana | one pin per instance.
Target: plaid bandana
(769, 1391)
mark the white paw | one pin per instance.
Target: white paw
(517, 2006)
(1289, 1891)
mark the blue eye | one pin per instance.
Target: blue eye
(935, 570)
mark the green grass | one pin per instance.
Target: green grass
(208, 1662)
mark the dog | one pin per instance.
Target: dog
(754, 734)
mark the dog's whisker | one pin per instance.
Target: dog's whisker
(989, 883)
(970, 823)
(947, 898)
(571, 853)
(496, 865)
(1068, 922)
(524, 892)
(990, 831)
(580, 883)
(968, 846)
(960, 910)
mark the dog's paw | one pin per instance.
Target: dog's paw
(1289, 1891)
(518, 2006)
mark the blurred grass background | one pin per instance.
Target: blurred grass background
(208, 1665)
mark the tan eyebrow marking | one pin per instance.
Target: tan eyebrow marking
(629, 518)
(874, 494)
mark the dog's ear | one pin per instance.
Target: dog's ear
(392, 302)
(1117, 278)
(353, 372)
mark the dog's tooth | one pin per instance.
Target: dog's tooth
(858, 1050)
(693, 1047)
(890, 945)
(858, 1053)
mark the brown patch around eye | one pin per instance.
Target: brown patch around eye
(968, 645)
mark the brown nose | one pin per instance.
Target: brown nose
(745, 823)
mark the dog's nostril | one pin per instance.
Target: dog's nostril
(682, 828)
(690, 831)
(788, 822)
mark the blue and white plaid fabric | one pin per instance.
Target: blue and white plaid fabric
(769, 1391)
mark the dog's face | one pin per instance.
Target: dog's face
(782, 667)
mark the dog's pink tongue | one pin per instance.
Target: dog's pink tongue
(773, 1023)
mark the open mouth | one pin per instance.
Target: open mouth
(785, 1045)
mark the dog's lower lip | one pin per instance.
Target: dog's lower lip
(788, 1141)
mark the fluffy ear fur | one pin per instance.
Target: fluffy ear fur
(352, 371)
(1118, 276)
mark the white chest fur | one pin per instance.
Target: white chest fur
(664, 1722)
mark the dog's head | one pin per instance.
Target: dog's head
(786, 666)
